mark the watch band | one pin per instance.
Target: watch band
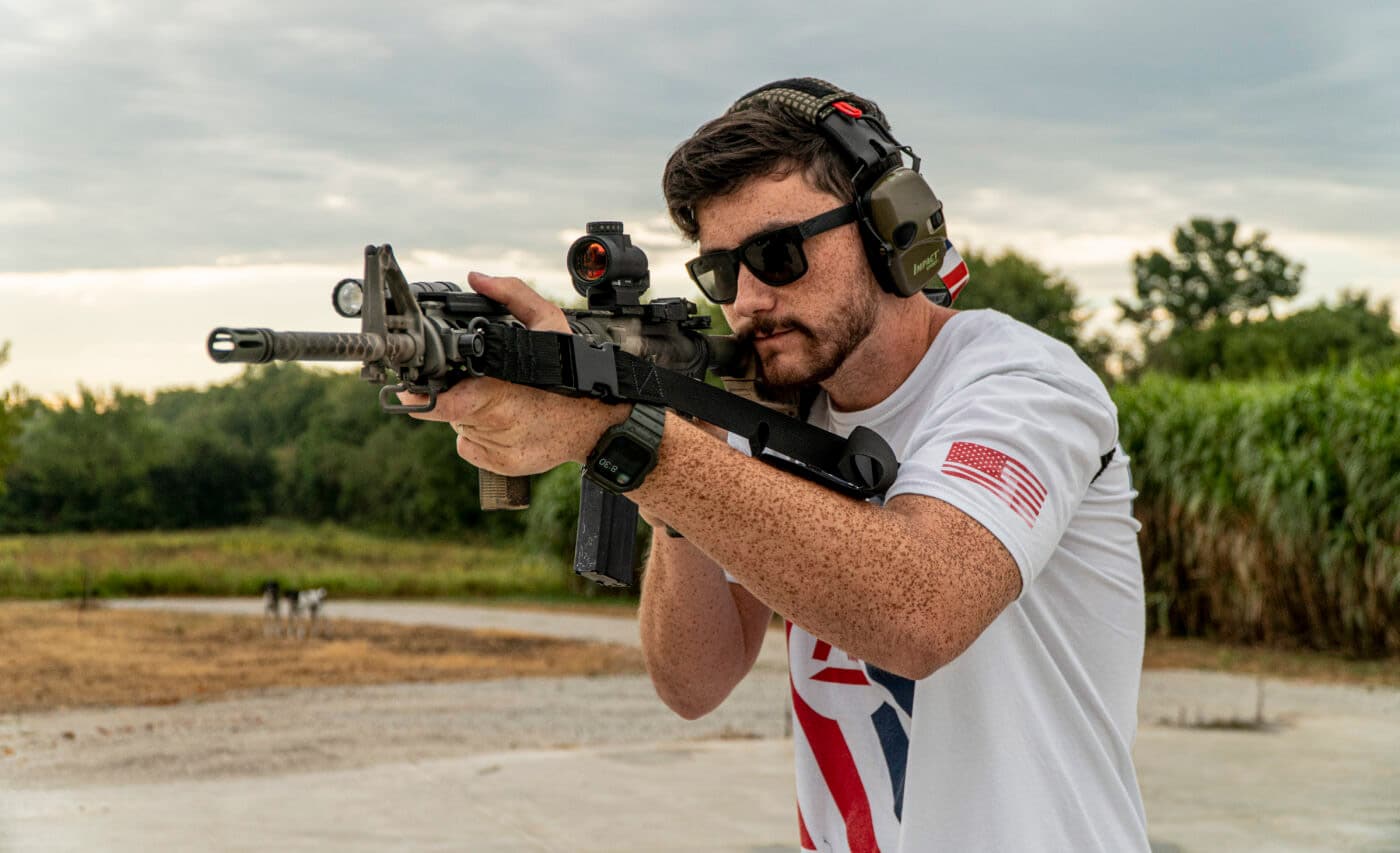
(626, 453)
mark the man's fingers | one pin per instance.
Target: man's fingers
(536, 312)
(408, 398)
(486, 439)
(462, 401)
(473, 453)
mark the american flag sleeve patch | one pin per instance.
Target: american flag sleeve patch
(1010, 481)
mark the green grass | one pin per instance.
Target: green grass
(237, 561)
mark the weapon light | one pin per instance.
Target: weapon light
(348, 297)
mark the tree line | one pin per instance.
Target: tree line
(286, 441)
(280, 440)
(1214, 306)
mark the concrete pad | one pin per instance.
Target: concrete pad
(1318, 783)
(711, 796)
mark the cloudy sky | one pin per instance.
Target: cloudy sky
(168, 167)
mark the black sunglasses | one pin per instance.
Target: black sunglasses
(774, 257)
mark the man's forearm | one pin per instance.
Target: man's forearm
(866, 579)
(694, 633)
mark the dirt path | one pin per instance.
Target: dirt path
(62, 657)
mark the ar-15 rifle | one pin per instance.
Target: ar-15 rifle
(432, 335)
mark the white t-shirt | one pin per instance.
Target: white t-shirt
(1023, 743)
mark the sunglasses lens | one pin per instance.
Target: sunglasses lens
(776, 259)
(717, 275)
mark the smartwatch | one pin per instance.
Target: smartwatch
(627, 452)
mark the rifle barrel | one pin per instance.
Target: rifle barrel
(257, 346)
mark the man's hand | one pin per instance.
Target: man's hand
(514, 429)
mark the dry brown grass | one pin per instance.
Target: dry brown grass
(1300, 665)
(58, 656)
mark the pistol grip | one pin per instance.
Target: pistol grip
(500, 492)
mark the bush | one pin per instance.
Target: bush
(1271, 510)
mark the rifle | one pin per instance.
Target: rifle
(431, 335)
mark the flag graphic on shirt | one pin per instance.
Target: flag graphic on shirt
(954, 271)
(1012, 482)
(852, 731)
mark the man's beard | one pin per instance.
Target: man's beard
(829, 350)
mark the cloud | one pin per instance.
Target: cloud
(145, 136)
(146, 328)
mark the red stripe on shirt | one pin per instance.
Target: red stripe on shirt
(839, 771)
(1031, 481)
(836, 675)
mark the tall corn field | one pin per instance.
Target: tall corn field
(1270, 510)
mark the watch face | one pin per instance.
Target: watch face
(624, 460)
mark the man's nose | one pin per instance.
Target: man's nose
(753, 297)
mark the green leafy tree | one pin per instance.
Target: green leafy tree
(406, 475)
(1016, 285)
(11, 415)
(85, 466)
(314, 459)
(106, 463)
(1214, 273)
(199, 479)
(1020, 287)
(1321, 336)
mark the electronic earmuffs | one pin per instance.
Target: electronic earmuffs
(901, 220)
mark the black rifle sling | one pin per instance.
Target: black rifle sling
(861, 465)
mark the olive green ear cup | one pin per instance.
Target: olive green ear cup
(901, 220)
(906, 219)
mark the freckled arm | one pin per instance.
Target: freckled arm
(906, 587)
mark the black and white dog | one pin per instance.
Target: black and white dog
(299, 602)
(272, 608)
(310, 601)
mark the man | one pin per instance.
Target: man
(965, 655)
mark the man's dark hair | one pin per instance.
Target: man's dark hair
(725, 153)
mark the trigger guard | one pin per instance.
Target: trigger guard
(390, 392)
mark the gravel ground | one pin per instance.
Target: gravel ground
(320, 729)
(293, 731)
(1321, 773)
